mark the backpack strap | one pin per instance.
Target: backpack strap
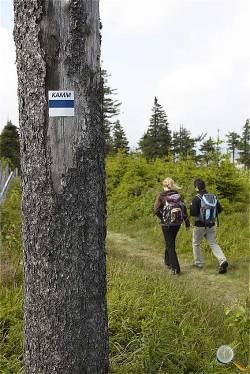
(217, 215)
(200, 197)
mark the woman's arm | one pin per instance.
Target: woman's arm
(158, 207)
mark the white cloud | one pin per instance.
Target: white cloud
(205, 97)
(138, 16)
(185, 87)
(8, 79)
(193, 54)
(209, 86)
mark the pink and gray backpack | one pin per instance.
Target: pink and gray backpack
(172, 212)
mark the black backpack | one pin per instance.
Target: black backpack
(172, 212)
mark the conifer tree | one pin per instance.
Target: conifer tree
(111, 109)
(182, 144)
(208, 150)
(233, 142)
(244, 146)
(156, 142)
(120, 141)
(10, 145)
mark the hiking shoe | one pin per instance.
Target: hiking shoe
(223, 267)
(175, 272)
(199, 266)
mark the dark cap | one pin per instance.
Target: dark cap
(200, 184)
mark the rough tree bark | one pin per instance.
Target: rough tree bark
(58, 48)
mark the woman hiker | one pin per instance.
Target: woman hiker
(171, 210)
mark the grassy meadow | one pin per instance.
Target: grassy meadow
(157, 323)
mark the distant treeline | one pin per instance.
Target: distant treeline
(157, 142)
(160, 142)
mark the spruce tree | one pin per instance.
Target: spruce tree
(10, 145)
(156, 142)
(145, 145)
(120, 141)
(183, 144)
(208, 150)
(233, 142)
(244, 146)
(110, 109)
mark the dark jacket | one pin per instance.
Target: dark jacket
(160, 202)
(195, 209)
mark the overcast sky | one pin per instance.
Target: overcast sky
(193, 55)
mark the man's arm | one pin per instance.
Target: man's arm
(219, 207)
(185, 216)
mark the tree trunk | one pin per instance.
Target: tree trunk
(65, 313)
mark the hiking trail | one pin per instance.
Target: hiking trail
(224, 289)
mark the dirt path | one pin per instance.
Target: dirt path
(226, 288)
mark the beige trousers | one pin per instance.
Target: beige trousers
(209, 233)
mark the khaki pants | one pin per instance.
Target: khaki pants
(209, 233)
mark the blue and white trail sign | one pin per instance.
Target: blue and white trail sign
(61, 104)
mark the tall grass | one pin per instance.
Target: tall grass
(133, 185)
(11, 314)
(156, 324)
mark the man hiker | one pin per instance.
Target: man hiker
(205, 208)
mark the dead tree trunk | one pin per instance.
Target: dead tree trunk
(58, 48)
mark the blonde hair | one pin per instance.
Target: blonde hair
(170, 184)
